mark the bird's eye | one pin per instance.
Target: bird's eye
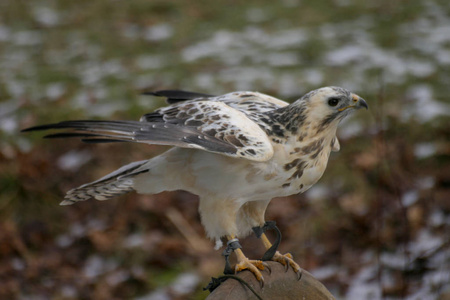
(333, 101)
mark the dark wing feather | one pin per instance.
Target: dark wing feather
(92, 131)
(208, 125)
(174, 96)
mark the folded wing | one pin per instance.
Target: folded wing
(208, 125)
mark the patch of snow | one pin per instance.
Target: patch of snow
(205, 81)
(64, 240)
(244, 78)
(363, 285)
(134, 240)
(150, 62)
(313, 77)
(424, 150)
(77, 230)
(91, 74)
(80, 100)
(117, 277)
(24, 144)
(159, 294)
(289, 86)
(421, 68)
(27, 38)
(318, 191)
(5, 33)
(185, 283)
(425, 108)
(437, 218)
(443, 56)
(349, 128)
(424, 242)
(221, 40)
(282, 59)
(99, 92)
(15, 88)
(9, 124)
(18, 264)
(113, 67)
(45, 15)
(158, 32)
(130, 31)
(96, 224)
(55, 90)
(253, 44)
(325, 272)
(144, 81)
(345, 55)
(409, 198)
(291, 3)
(396, 260)
(426, 182)
(93, 266)
(106, 108)
(8, 107)
(439, 34)
(343, 3)
(138, 271)
(257, 15)
(73, 160)
(96, 265)
(432, 283)
(69, 292)
(287, 38)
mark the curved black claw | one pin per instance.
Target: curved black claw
(266, 266)
(299, 275)
(286, 265)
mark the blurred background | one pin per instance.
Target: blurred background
(376, 226)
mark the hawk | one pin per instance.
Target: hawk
(235, 151)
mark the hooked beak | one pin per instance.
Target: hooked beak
(358, 103)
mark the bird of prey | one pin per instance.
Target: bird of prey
(235, 151)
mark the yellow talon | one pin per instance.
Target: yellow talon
(248, 264)
(287, 260)
(253, 266)
(284, 259)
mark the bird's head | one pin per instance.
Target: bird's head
(327, 106)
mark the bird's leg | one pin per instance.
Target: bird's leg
(271, 249)
(285, 259)
(243, 262)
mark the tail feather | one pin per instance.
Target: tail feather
(114, 184)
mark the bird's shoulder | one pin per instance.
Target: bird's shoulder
(251, 101)
(225, 118)
(255, 107)
(258, 107)
(244, 101)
